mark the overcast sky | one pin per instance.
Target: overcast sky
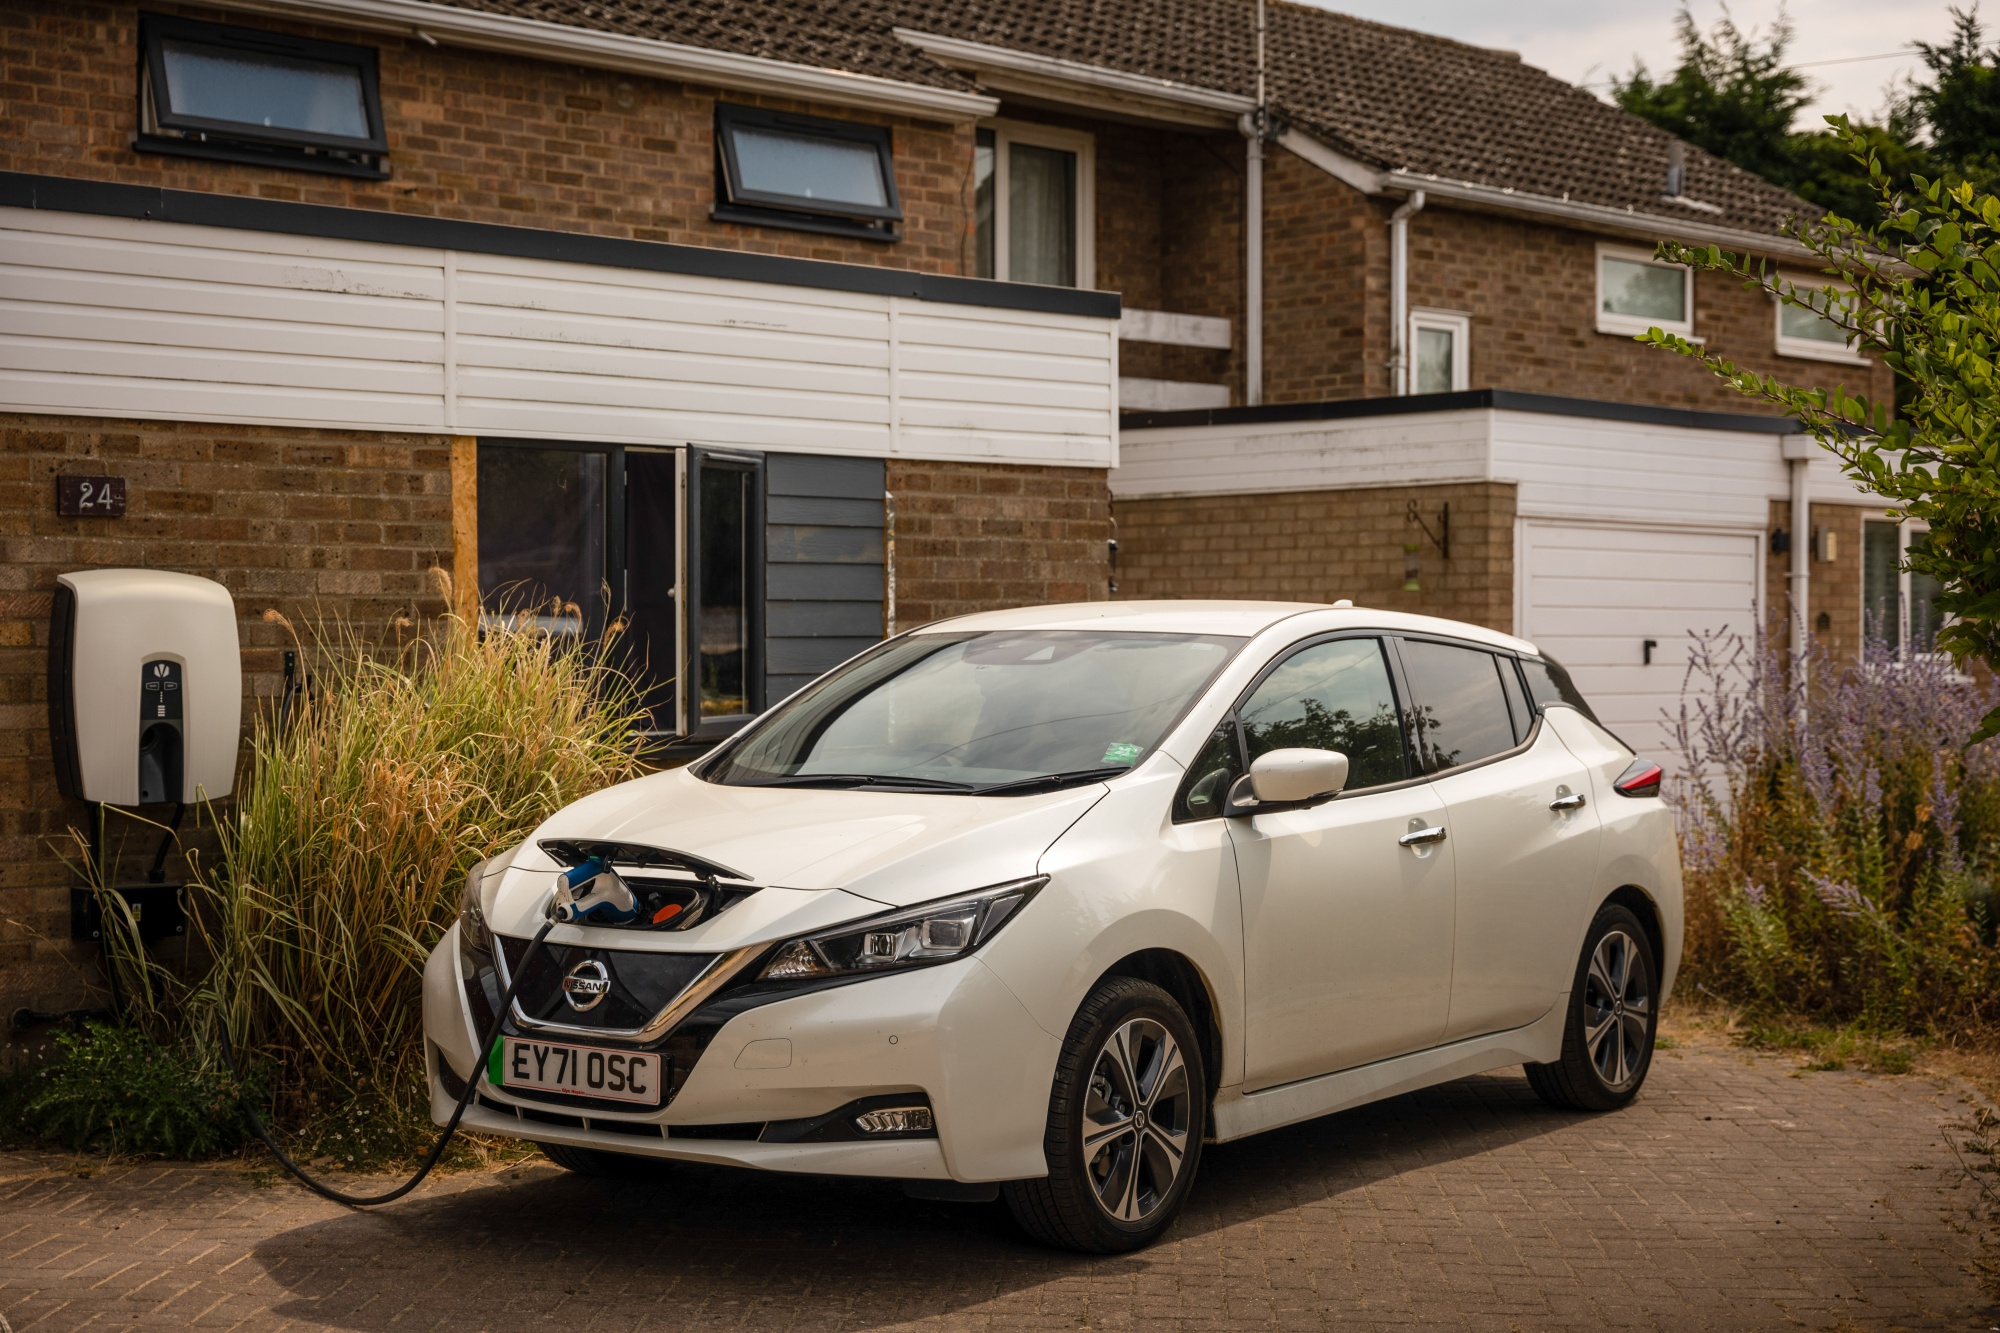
(1586, 41)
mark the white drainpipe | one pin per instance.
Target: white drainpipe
(1399, 292)
(1253, 262)
(1801, 576)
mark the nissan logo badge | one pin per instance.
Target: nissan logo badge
(586, 985)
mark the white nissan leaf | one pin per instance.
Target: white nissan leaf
(1037, 903)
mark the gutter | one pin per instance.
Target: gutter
(632, 55)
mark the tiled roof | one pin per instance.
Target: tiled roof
(1388, 96)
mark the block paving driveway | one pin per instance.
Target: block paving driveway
(1735, 1194)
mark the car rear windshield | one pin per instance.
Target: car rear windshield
(1002, 711)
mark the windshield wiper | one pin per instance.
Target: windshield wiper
(1049, 782)
(848, 780)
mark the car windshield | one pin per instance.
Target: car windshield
(1013, 710)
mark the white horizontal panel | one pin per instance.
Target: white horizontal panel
(89, 254)
(104, 324)
(562, 273)
(148, 232)
(720, 310)
(918, 358)
(610, 391)
(926, 327)
(668, 367)
(1162, 326)
(1039, 394)
(191, 400)
(1083, 448)
(620, 424)
(172, 295)
(494, 322)
(1302, 456)
(1144, 395)
(1020, 417)
(143, 361)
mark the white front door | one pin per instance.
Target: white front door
(1347, 932)
(1595, 596)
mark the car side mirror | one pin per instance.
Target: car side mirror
(1289, 778)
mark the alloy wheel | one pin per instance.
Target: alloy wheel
(1135, 1120)
(1617, 1010)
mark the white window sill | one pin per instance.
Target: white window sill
(1807, 350)
(1632, 328)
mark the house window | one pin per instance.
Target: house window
(1636, 292)
(1807, 332)
(667, 542)
(805, 172)
(242, 95)
(1440, 351)
(1898, 606)
(1032, 188)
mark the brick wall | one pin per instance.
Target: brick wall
(1531, 290)
(1326, 286)
(1833, 611)
(472, 135)
(301, 521)
(982, 536)
(1320, 546)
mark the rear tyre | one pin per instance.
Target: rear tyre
(1126, 1118)
(596, 1161)
(1613, 1013)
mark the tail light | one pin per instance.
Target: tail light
(1641, 778)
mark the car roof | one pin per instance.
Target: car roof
(1242, 618)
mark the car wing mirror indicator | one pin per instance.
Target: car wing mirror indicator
(1288, 780)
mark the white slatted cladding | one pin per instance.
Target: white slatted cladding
(1592, 594)
(112, 317)
(1588, 467)
(116, 317)
(1426, 447)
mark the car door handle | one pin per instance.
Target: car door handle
(1568, 801)
(1421, 837)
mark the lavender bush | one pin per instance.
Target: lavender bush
(1840, 842)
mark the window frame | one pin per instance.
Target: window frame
(1459, 325)
(735, 202)
(236, 140)
(691, 727)
(1630, 325)
(1080, 142)
(1905, 529)
(1506, 660)
(1810, 349)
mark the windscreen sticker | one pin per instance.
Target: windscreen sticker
(1122, 752)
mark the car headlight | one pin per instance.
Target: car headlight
(934, 933)
(472, 911)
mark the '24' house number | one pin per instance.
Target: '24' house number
(90, 497)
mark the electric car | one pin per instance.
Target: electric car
(1036, 903)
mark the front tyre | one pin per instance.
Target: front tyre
(1126, 1118)
(596, 1161)
(1613, 1012)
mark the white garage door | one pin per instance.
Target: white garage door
(1592, 595)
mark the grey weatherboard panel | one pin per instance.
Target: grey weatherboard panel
(823, 565)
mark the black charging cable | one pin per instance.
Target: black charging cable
(451, 1126)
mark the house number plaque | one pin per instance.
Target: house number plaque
(90, 497)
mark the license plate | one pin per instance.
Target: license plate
(580, 1071)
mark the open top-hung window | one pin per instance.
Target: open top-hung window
(245, 95)
(805, 172)
(1636, 292)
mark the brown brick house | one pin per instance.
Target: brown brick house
(778, 326)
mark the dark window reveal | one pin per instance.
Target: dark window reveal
(1459, 708)
(243, 95)
(541, 536)
(1331, 696)
(725, 589)
(805, 171)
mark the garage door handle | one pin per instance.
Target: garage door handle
(1573, 801)
(1421, 837)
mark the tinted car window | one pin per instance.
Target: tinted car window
(1548, 683)
(1517, 701)
(1331, 696)
(1210, 777)
(1458, 707)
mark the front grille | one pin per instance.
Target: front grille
(642, 984)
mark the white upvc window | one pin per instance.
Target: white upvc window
(1440, 351)
(1636, 292)
(1897, 606)
(1808, 333)
(1034, 188)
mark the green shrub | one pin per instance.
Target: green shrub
(119, 1089)
(348, 840)
(1840, 841)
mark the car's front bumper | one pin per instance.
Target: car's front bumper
(955, 1033)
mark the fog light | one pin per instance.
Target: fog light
(895, 1120)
